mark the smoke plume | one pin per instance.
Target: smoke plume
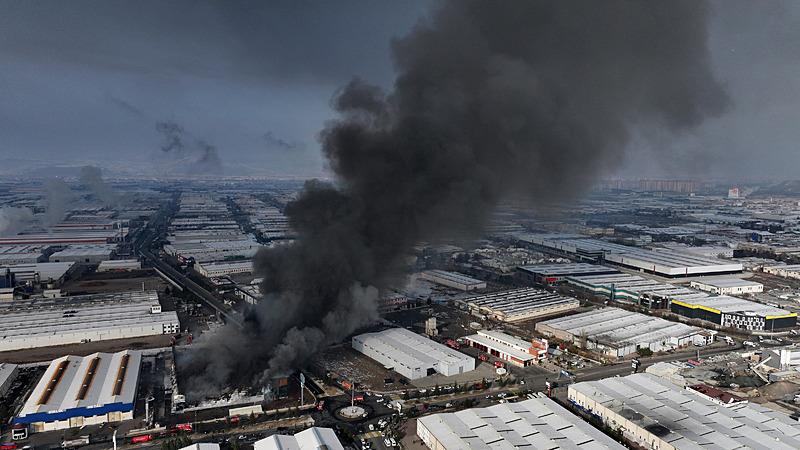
(529, 98)
(13, 220)
(196, 157)
(57, 198)
(91, 178)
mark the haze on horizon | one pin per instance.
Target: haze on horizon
(85, 82)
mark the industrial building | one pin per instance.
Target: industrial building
(787, 271)
(666, 263)
(218, 269)
(653, 413)
(628, 288)
(728, 286)
(218, 250)
(734, 312)
(519, 304)
(453, 280)
(22, 254)
(549, 274)
(8, 373)
(86, 254)
(46, 272)
(411, 355)
(785, 358)
(119, 265)
(617, 333)
(536, 423)
(314, 438)
(509, 348)
(72, 320)
(76, 391)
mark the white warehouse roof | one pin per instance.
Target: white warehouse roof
(538, 423)
(688, 421)
(65, 320)
(314, 438)
(411, 349)
(617, 327)
(74, 386)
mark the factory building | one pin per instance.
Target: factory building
(729, 286)
(519, 304)
(666, 263)
(550, 274)
(733, 312)
(72, 320)
(22, 254)
(786, 358)
(655, 414)
(536, 423)
(509, 348)
(46, 272)
(67, 237)
(119, 265)
(411, 355)
(218, 269)
(86, 254)
(453, 280)
(616, 332)
(77, 391)
(788, 271)
(8, 373)
(314, 438)
(214, 250)
(628, 288)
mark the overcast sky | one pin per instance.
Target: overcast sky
(86, 81)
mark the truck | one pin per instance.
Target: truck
(76, 442)
(729, 340)
(19, 432)
(452, 344)
(483, 357)
(499, 364)
(142, 438)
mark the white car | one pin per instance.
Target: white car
(387, 442)
(371, 427)
(394, 443)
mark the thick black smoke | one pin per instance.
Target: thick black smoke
(491, 99)
(192, 156)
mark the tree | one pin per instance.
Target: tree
(644, 351)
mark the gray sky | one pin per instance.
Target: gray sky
(86, 81)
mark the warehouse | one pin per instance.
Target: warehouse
(785, 358)
(453, 280)
(72, 320)
(655, 414)
(788, 271)
(509, 348)
(8, 373)
(47, 272)
(519, 304)
(628, 288)
(218, 269)
(87, 254)
(734, 312)
(314, 438)
(549, 274)
(214, 250)
(617, 333)
(411, 355)
(22, 254)
(666, 263)
(76, 391)
(536, 423)
(119, 265)
(729, 286)
(67, 237)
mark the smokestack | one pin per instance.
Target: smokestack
(491, 99)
